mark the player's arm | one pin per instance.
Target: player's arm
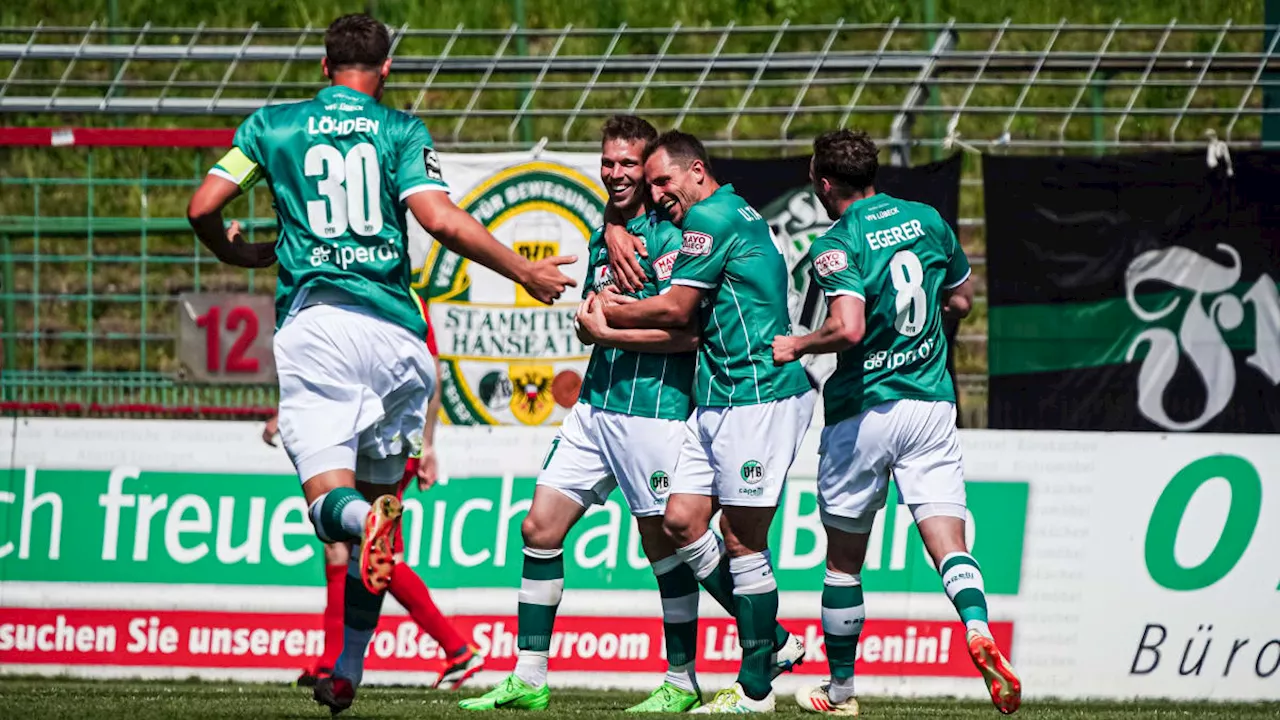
(428, 463)
(837, 274)
(957, 284)
(425, 193)
(704, 250)
(593, 329)
(622, 247)
(845, 326)
(204, 212)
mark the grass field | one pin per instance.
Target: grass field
(65, 698)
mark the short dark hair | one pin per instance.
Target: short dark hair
(682, 147)
(356, 40)
(846, 157)
(628, 127)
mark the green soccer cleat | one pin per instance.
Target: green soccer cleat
(668, 699)
(512, 693)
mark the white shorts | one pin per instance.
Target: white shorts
(741, 455)
(915, 439)
(353, 392)
(597, 450)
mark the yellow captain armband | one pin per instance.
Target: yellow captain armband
(238, 168)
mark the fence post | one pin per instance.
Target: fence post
(1270, 80)
(522, 49)
(10, 315)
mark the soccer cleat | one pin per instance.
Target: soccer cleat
(459, 668)
(377, 547)
(311, 676)
(733, 700)
(816, 699)
(512, 693)
(335, 693)
(1002, 681)
(789, 656)
(668, 699)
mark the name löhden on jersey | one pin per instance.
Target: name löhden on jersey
(325, 125)
(909, 230)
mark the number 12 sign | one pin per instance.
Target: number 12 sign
(226, 338)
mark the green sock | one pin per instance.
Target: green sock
(843, 614)
(339, 515)
(962, 580)
(360, 611)
(719, 585)
(679, 590)
(755, 606)
(541, 586)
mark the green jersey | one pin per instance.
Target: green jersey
(898, 256)
(728, 251)
(640, 384)
(340, 167)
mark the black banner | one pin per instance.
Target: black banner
(1134, 292)
(780, 190)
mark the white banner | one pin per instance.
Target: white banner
(1116, 565)
(507, 358)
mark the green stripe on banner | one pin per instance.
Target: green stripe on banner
(1070, 336)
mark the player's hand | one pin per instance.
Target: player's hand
(609, 297)
(545, 282)
(591, 319)
(785, 349)
(623, 247)
(428, 469)
(234, 234)
(270, 429)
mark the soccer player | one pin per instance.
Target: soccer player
(891, 270)
(750, 415)
(462, 659)
(354, 372)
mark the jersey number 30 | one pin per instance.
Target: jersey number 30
(910, 301)
(352, 188)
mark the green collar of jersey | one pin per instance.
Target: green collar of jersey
(877, 197)
(339, 90)
(640, 222)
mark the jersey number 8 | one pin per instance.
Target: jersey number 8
(352, 186)
(910, 301)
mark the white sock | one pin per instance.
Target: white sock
(979, 627)
(531, 667)
(353, 515)
(682, 677)
(703, 555)
(840, 690)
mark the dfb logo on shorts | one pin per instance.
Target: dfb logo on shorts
(659, 484)
(752, 472)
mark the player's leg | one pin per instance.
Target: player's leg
(930, 472)
(336, 557)
(462, 660)
(574, 476)
(642, 454)
(327, 400)
(853, 484)
(752, 449)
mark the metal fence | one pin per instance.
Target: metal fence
(95, 247)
